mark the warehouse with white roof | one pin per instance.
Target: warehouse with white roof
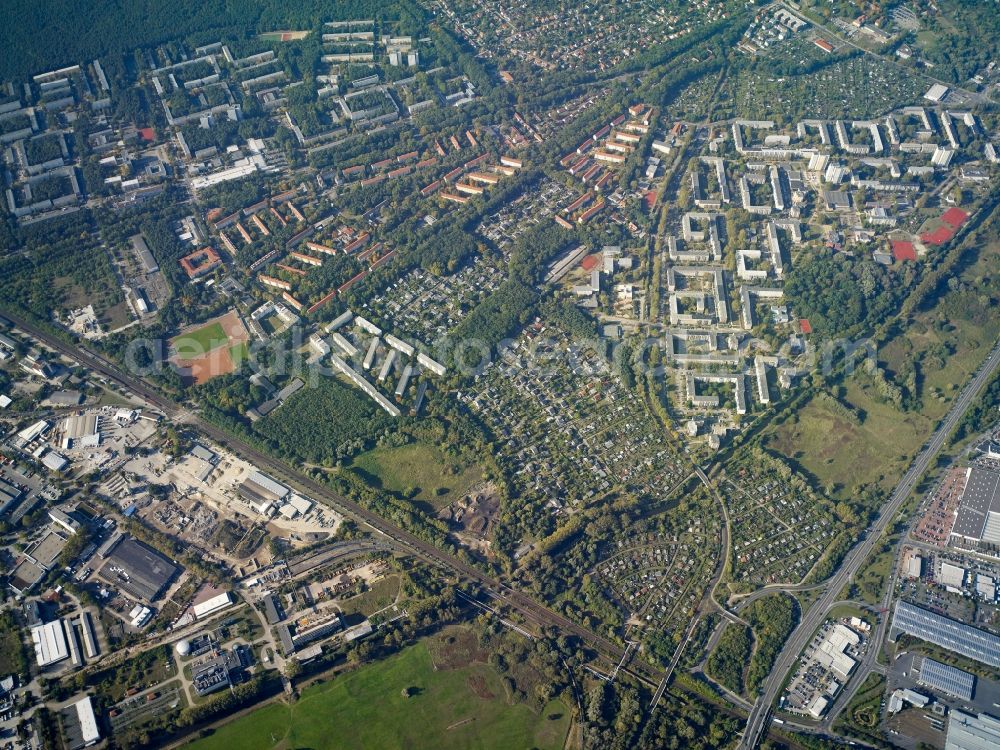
(50, 643)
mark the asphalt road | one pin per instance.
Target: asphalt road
(530, 609)
(758, 721)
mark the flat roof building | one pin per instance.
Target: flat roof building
(831, 652)
(216, 673)
(942, 631)
(50, 643)
(261, 491)
(79, 724)
(271, 609)
(968, 732)
(945, 678)
(936, 93)
(138, 570)
(141, 249)
(978, 517)
(211, 601)
(64, 519)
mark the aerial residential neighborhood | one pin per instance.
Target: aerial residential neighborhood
(453, 374)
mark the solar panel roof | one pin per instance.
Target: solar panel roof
(946, 678)
(950, 634)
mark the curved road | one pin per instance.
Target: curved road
(759, 719)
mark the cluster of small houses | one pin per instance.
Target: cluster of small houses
(573, 36)
(655, 579)
(778, 532)
(579, 430)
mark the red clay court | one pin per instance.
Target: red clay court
(221, 359)
(954, 217)
(590, 262)
(938, 237)
(902, 250)
(805, 326)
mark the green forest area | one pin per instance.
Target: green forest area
(72, 32)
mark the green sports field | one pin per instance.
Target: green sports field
(239, 353)
(199, 341)
(458, 708)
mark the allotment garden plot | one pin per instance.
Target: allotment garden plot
(570, 430)
(426, 306)
(779, 529)
(657, 577)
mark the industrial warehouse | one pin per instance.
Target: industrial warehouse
(137, 569)
(942, 631)
(978, 520)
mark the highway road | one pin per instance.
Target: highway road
(530, 609)
(759, 719)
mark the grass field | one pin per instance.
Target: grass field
(271, 324)
(862, 713)
(947, 340)
(868, 584)
(218, 347)
(453, 708)
(419, 466)
(380, 595)
(283, 36)
(239, 354)
(199, 341)
(950, 339)
(843, 453)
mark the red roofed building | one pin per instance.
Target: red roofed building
(147, 134)
(902, 250)
(954, 217)
(200, 262)
(823, 45)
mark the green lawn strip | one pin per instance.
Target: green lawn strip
(239, 353)
(380, 595)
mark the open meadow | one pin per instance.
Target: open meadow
(437, 479)
(449, 706)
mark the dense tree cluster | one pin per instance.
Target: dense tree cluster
(615, 719)
(351, 422)
(728, 660)
(841, 296)
(772, 619)
(62, 262)
(79, 33)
